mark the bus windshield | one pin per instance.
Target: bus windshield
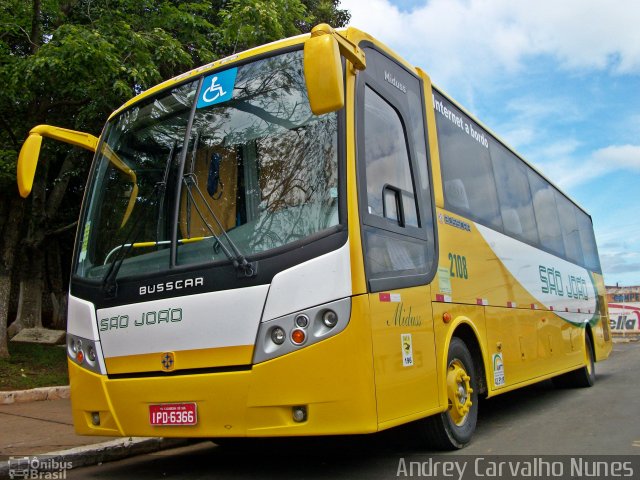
(231, 164)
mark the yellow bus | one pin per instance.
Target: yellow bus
(309, 238)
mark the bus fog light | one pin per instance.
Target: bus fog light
(95, 418)
(299, 414)
(278, 336)
(330, 318)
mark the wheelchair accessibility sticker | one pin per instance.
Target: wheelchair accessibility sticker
(217, 88)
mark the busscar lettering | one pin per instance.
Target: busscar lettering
(454, 222)
(171, 286)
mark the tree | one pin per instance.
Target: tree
(72, 62)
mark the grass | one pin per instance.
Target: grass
(32, 365)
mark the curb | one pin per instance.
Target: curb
(34, 395)
(628, 338)
(98, 453)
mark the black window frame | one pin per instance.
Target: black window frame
(425, 204)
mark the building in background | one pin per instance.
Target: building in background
(624, 309)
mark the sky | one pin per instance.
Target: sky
(557, 80)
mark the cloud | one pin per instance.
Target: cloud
(561, 157)
(626, 157)
(461, 39)
(619, 262)
(563, 162)
(557, 80)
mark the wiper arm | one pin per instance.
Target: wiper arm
(244, 267)
(163, 189)
(109, 285)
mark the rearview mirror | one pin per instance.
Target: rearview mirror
(323, 74)
(30, 151)
(27, 162)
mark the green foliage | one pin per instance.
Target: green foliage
(81, 59)
(247, 23)
(33, 365)
(70, 63)
(323, 11)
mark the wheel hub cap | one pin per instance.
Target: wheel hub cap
(459, 392)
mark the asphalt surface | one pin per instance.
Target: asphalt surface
(538, 420)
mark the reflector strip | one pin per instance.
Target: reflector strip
(390, 297)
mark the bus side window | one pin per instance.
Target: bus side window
(395, 250)
(396, 208)
(390, 191)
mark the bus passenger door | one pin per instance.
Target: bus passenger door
(396, 214)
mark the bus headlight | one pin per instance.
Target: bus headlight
(278, 336)
(91, 353)
(289, 333)
(84, 352)
(330, 318)
(302, 320)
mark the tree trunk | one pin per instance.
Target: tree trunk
(30, 301)
(7, 257)
(43, 207)
(32, 260)
(35, 26)
(55, 283)
(4, 212)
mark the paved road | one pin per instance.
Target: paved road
(540, 420)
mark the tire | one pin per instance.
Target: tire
(454, 428)
(583, 377)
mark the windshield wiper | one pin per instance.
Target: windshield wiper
(109, 285)
(163, 188)
(240, 263)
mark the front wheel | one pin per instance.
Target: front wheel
(453, 429)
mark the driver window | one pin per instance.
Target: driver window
(389, 184)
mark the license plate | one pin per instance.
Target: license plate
(173, 414)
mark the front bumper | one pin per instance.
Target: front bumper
(333, 379)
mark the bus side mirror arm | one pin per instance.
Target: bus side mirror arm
(348, 50)
(30, 151)
(323, 67)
